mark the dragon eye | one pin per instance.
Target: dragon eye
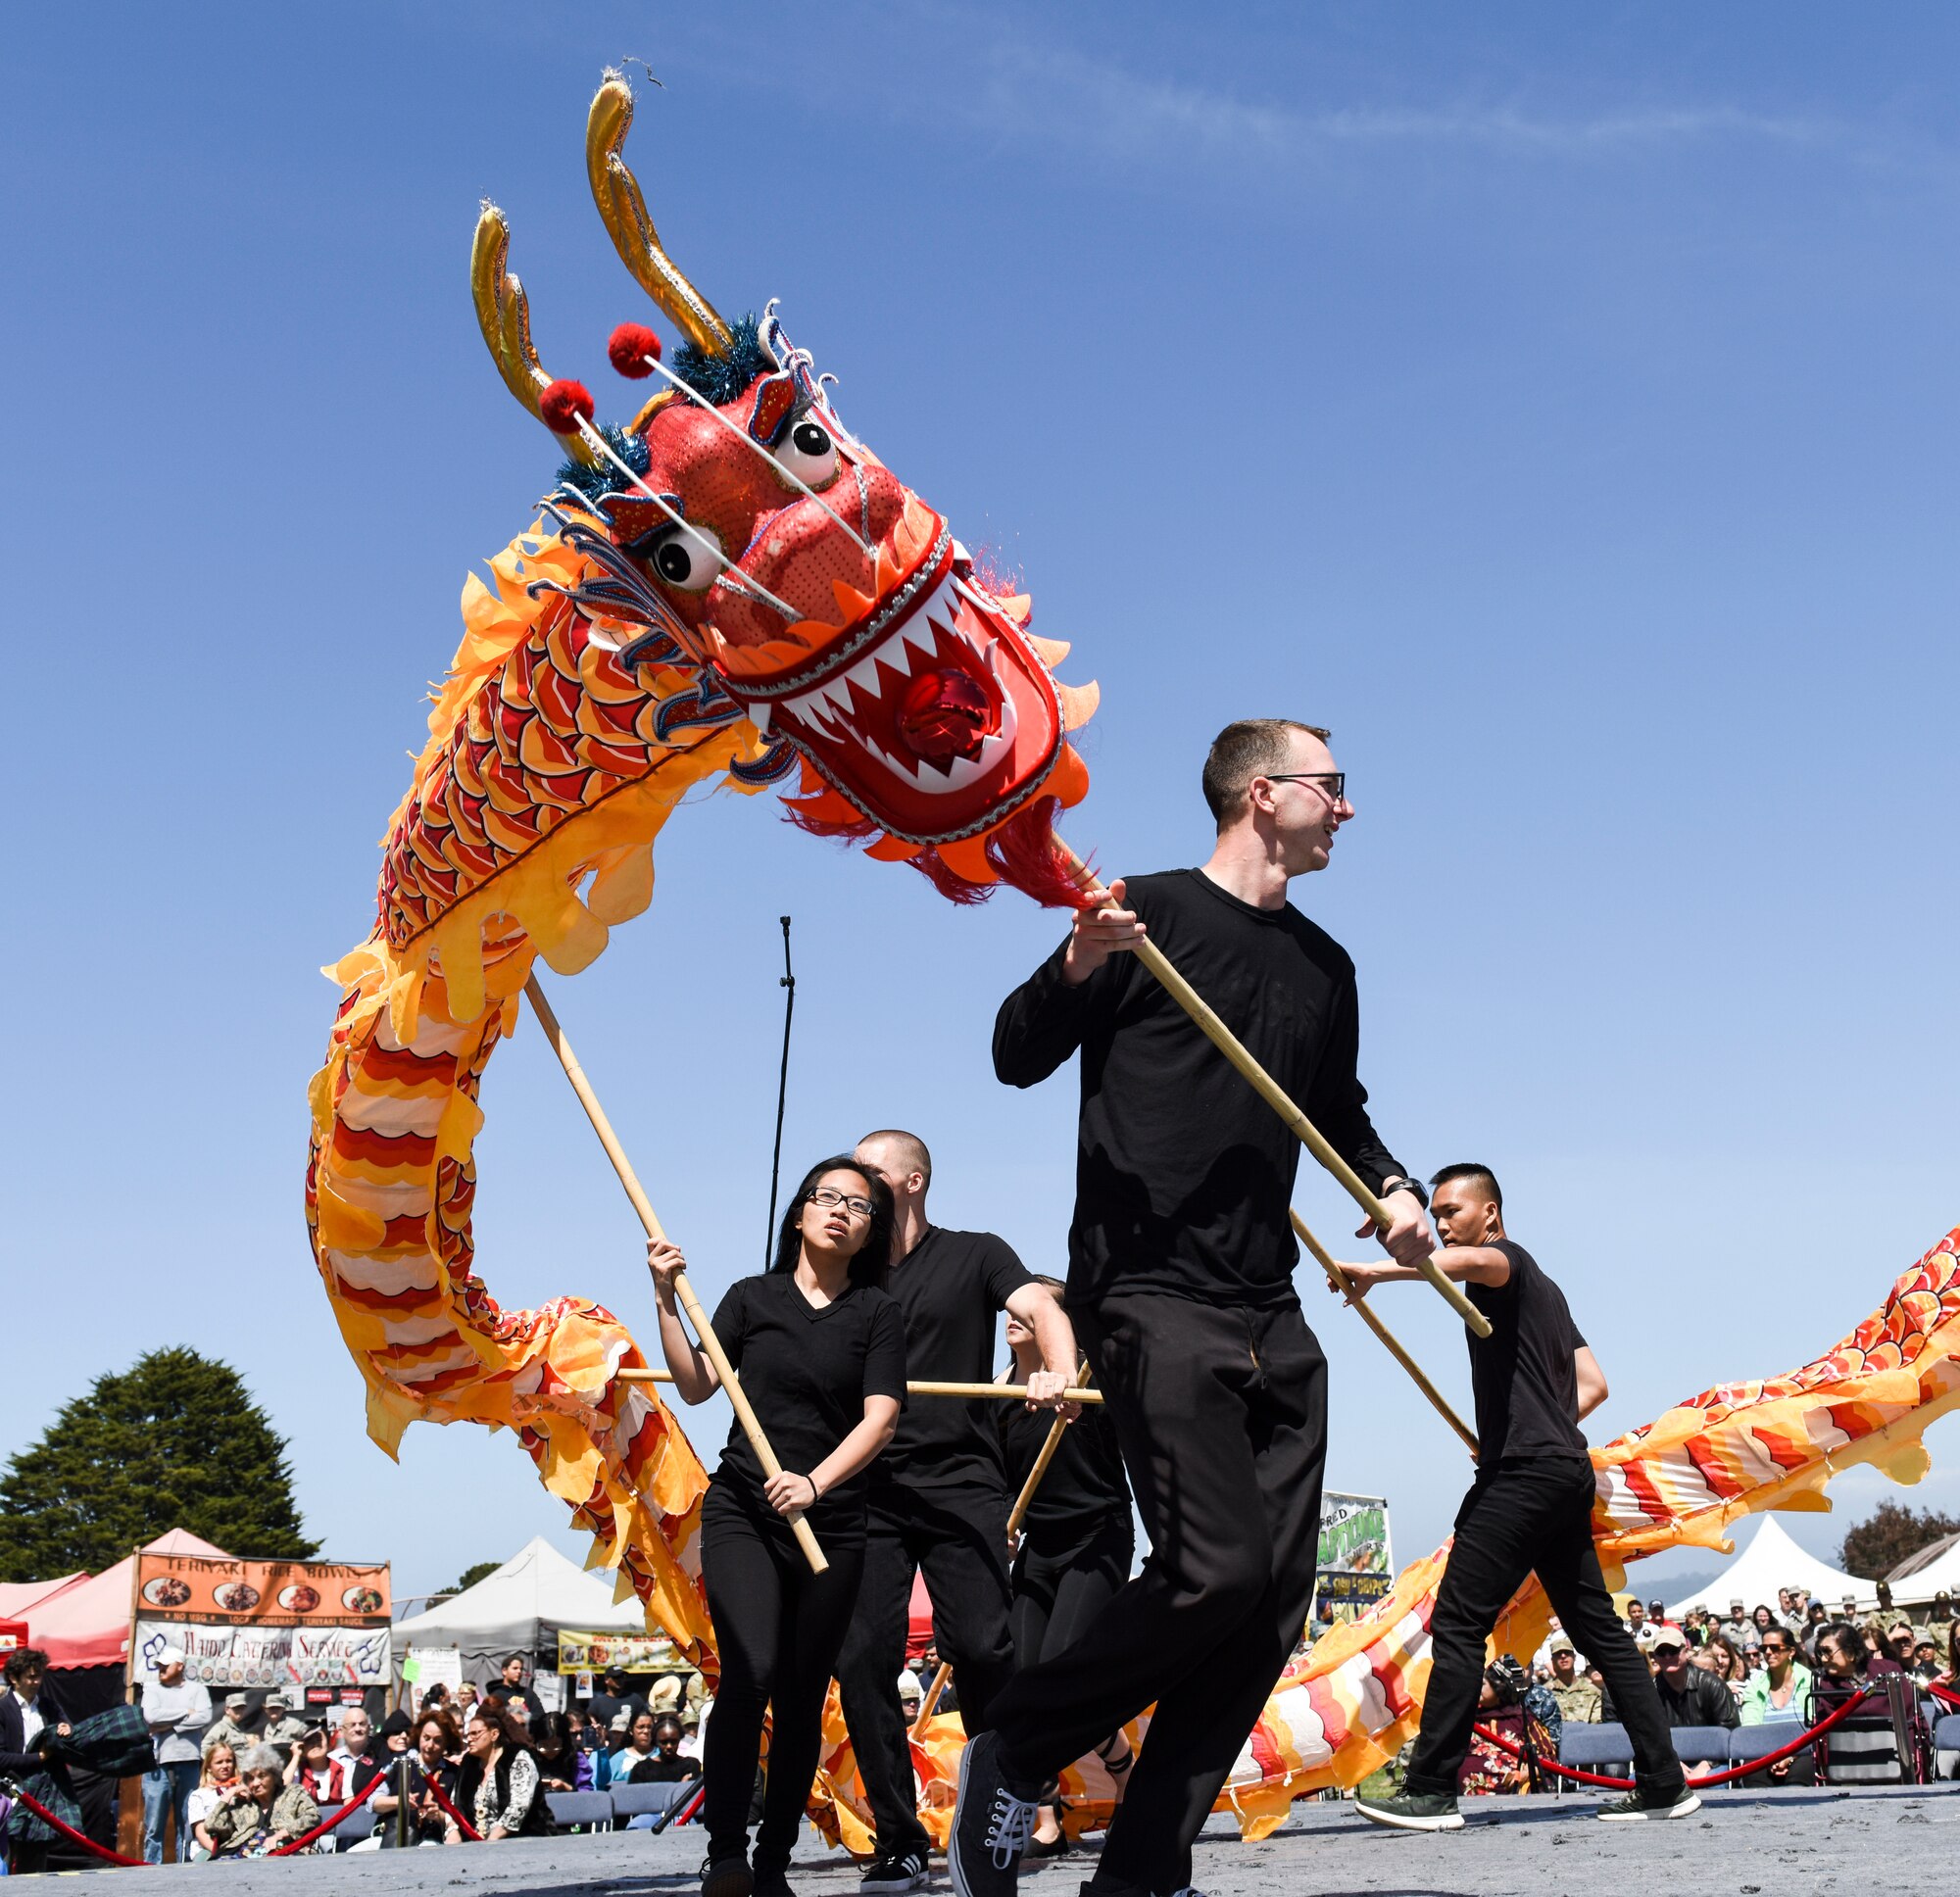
(808, 453)
(681, 560)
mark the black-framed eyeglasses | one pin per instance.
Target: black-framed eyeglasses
(1332, 783)
(828, 1196)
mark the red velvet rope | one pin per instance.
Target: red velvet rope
(1707, 1779)
(69, 1831)
(1943, 1692)
(462, 1825)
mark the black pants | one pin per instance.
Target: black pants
(1060, 1590)
(777, 1628)
(1222, 1418)
(1520, 1518)
(958, 1537)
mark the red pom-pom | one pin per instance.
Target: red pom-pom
(565, 404)
(630, 345)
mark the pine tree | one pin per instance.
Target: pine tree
(172, 1442)
(1888, 1535)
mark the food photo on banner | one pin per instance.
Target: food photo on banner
(1356, 1565)
(593, 1653)
(254, 1626)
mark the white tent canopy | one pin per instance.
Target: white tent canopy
(1932, 1571)
(1771, 1561)
(520, 1609)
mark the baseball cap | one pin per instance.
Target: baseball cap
(1736, 1606)
(277, 1698)
(1669, 1635)
(908, 1685)
(236, 1699)
(170, 1657)
(1560, 1643)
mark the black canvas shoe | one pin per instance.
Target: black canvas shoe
(1638, 1805)
(727, 1878)
(1413, 1810)
(894, 1876)
(991, 1825)
(771, 1883)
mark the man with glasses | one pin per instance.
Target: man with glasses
(1181, 1262)
(938, 1498)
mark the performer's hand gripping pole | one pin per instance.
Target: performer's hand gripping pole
(1275, 1097)
(1016, 1516)
(1341, 1283)
(711, 1345)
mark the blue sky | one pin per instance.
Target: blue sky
(1557, 403)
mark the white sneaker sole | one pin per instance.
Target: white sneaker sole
(1687, 1808)
(895, 1886)
(1448, 1821)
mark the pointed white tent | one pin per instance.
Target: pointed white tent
(520, 1609)
(1934, 1570)
(1772, 1560)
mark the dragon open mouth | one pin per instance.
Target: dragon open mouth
(930, 711)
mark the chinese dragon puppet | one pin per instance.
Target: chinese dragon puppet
(730, 589)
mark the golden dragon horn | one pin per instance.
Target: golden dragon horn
(504, 314)
(616, 192)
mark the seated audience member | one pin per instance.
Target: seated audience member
(466, 1697)
(560, 1763)
(667, 1763)
(406, 1804)
(221, 1775)
(1760, 1623)
(500, 1789)
(1782, 1694)
(237, 1728)
(315, 1769)
(1687, 1695)
(265, 1815)
(1860, 1748)
(912, 1695)
(1926, 1660)
(1577, 1695)
(1489, 1767)
(1900, 1640)
(1735, 1627)
(639, 1746)
(1727, 1665)
(284, 1729)
(357, 1752)
(692, 1727)
(1637, 1623)
(1951, 1670)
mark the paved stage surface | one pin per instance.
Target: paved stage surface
(1880, 1843)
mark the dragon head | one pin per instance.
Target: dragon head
(737, 515)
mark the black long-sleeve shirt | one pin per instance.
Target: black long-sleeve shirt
(1182, 1173)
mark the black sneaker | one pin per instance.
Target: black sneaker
(1413, 1810)
(771, 1883)
(893, 1876)
(727, 1878)
(991, 1825)
(1637, 1805)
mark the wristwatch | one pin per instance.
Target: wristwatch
(1406, 1185)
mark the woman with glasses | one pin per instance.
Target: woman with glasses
(822, 1353)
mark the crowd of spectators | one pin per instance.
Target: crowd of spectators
(1753, 1665)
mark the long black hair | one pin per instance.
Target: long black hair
(873, 1258)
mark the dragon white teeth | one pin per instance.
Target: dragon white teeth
(760, 714)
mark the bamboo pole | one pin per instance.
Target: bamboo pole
(1015, 1392)
(1276, 1097)
(1345, 1286)
(744, 1414)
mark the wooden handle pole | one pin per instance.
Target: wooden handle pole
(1012, 1393)
(1393, 1344)
(744, 1414)
(1276, 1097)
(931, 1698)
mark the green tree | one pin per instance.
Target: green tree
(469, 1577)
(172, 1442)
(1888, 1535)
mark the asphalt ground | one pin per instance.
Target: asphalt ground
(1891, 1843)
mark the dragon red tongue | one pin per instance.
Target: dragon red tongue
(945, 716)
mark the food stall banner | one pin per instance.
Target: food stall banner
(265, 1624)
(579, 1652)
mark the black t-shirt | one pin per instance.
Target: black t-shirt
(1523, 1373)
(1182, 1174)
(1085, 1485)
(807, 1372)
(664, 1772)
(604, 1707)
(951, 1286)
